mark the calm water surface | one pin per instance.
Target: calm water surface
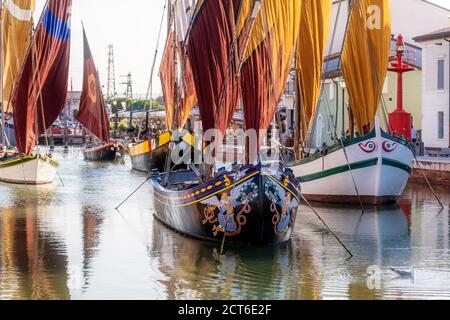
(68, 242)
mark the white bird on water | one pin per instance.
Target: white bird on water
(405, 273)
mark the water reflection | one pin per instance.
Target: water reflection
(194, 270)
(92, 225)
(68, 242)
(32, 264)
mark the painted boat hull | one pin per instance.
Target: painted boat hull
(33, 170)
(380, 164)
(146, 158)
(141, 162)
(257, 206)
(101, 153)
(149, 160)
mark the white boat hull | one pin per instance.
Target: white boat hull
(37, 170)
(380, 168)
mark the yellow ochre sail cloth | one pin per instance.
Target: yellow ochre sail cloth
(314, 26)
(365, 59)
(17, 25)
(268, 60)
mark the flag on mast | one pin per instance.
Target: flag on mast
(41, 90)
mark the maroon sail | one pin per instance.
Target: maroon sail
(167, 74)
(93, 114)
(41, 90)
(213, 62)
(268, 60)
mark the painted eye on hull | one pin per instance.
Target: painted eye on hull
(368, 147)
(389, 146)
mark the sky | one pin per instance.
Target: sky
(132, 27)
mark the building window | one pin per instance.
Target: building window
(440, 125)
(440, 74)
(331, 91)
(290, 88)
(331, 124)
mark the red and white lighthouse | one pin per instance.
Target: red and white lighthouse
(400, 120)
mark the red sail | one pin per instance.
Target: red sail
(170, 84)
(41, 90)
(93, 115)
(167, 75)
(268, 60)
(213, 62)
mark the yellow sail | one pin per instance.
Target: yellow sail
(315, 25)
(17, 24)
(268, 60)
(365, 59)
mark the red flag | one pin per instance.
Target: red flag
(93, 115)
(41, 90)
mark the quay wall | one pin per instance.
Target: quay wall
(438, 172)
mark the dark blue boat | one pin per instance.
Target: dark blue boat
(255, 205)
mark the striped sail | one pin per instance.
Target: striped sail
(41, 89)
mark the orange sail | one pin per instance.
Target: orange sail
(178, 85)
(315, 25)
(169, 84)
(17, 26)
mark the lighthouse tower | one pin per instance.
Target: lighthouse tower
(400, 120)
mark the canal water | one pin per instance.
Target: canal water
(66, 241)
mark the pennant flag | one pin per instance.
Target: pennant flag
(17, 27)
(41, 89)
(93, 115)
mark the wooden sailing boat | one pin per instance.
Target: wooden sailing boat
(39, 91)
(252, 203)
(93, 114)
(151, 154)
(373, 167)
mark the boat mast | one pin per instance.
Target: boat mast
(149, 94)
(2, 67)
(171, 22)
(298, 131)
